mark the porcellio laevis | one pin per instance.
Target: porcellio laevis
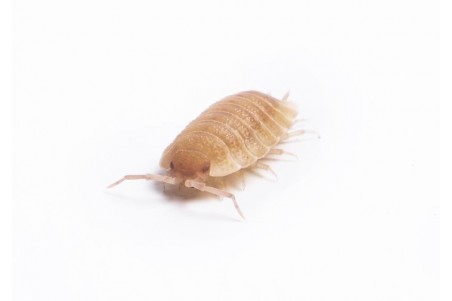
(233, 134)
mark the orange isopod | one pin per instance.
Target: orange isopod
(232, 134)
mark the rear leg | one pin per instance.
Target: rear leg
(260, 165)
(277, 151)
(286, 96)
(241, 175)
(299, 120)
(296, 133)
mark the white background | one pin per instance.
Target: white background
(101, 88)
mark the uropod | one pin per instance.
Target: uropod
(233, 134)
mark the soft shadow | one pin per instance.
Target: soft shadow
(175, 195)
(180, 195)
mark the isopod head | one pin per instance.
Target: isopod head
(189, 164)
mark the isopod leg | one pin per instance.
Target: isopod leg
(298, 120)
(277, 151)
(203, 187)
(159, 178)
(264, 166)
(286, 96)
(298, 133)
(242, 180)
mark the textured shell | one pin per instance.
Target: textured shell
(235, 132)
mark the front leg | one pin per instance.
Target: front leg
(222, 193)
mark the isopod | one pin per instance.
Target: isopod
(232, 134)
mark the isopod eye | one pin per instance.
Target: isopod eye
(206, 167)
(171, 165)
